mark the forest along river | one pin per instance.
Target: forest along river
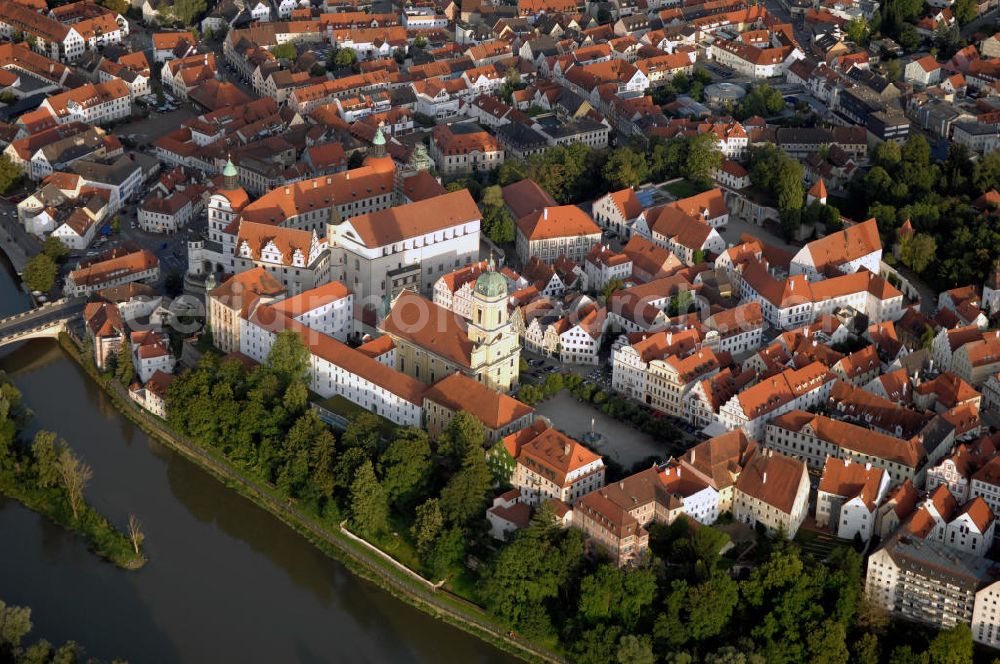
(226, 581)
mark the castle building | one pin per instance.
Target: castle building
(433, 342)
(215, 251)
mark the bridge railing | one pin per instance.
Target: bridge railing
(31, 312)
(60, 324)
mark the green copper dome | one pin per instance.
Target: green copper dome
(379, 137)
(491, 283)
(229, 171)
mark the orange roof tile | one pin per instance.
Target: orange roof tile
(774, 479)
(556, 222)
(494, 409)
(377, 229)
(555, 456)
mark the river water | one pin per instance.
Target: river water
(226, 581)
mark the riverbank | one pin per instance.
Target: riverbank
(102, 538)
(39, 477)
(357, 558)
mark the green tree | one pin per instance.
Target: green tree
(124, 369)
(54, 248)
(466, 494)
(966, 11)
(611, 287)
(500, 226)
(710, 606)
(364, 432)
(15, 624)
(119, 6)
(448, 553)
(40, 273)
(951, 646)
(528, 573)
(10, 174)
(828, 643)
(680, 304)
(46, 454)
(186, 11)
(75, 475)
(916, 151)
(917, 251)
(323, 465)
(634, 649)
(285, 51)
(597, 645)
(345, 57)
(405, 467)
(908, 37)
(428, 523)
(464, 433)
(511, 171)
(369, 506)
(625, 168)
(347, 465)
(887, 154)
(703, 159)
(858, 30)
(289, 357)
(762, 100)
(866, 649)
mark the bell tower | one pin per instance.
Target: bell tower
(489, 306)
(497, 350)
(991, 290)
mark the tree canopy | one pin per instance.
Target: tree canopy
(40, 273)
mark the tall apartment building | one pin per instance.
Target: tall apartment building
(929, 582)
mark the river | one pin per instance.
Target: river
(226, 581)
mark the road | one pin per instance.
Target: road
(17, 243)
(33, 318)
(980, 21)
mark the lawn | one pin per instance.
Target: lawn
(683, 188)
(344, 410)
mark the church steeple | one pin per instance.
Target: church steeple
(378, 143)
(230, 176)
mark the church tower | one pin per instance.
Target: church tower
(230, 176)
(497, 353)
(489, 305)
(991, 291)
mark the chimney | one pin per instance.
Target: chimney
(545, 213)
(566, 449)
(693, 452)
(621, 485)
(847, 462)
(315, 184)
(765, 478)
